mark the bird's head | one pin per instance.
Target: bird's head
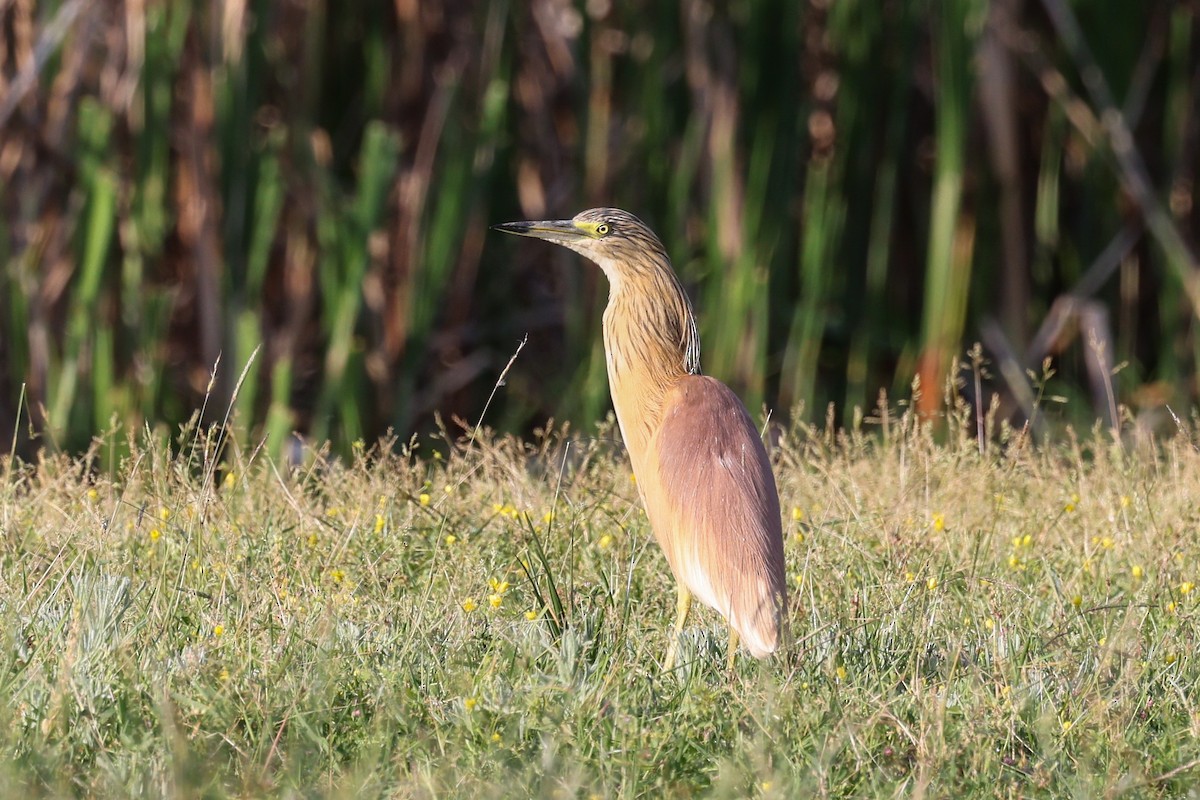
(616, 240)
(638, 270)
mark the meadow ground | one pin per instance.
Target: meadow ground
(489, 622)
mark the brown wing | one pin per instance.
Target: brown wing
(714, 507)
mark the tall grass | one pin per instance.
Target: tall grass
(185, 180)
(1012, 623)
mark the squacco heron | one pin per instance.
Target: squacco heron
(700, 465)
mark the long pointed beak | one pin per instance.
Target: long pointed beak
(554, 230)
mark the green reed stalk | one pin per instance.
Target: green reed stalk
(948, 264)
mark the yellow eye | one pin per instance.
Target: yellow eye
(602, 229)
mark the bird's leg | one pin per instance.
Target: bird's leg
(682, 606)
(733, 646)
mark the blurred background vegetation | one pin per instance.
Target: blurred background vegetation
(852, 191)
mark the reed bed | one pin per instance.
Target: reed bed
(852, 192)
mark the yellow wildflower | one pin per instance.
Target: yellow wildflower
(797, 513)
(468, 605)
(939, 522)
(470, 703)
(605, 541)
(380, 521)
(531, 615)
(155, 534)
(164, 514)
(218, 630)
(451, 538)
(495, 600)
(92, 495)
(1186, 587)
(932, 583)
(423, 499)
(1136, 571)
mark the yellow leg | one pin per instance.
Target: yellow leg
(733, 646)
(682, 606)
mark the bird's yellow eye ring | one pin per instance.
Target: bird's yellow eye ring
(602, 229)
